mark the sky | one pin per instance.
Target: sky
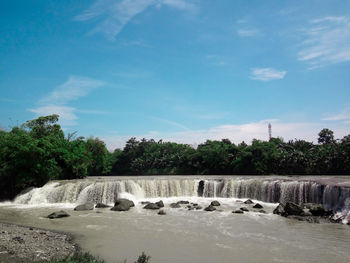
(178, 70)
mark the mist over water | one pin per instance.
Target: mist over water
(193, 236)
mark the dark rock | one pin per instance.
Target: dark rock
(101, 205)
(124, 201)
(175, 205)
(194, 204)
(248, 202)
(190, 208)
(262, 211)
(151, 206)
(257, 205)
(145, 202)
(57, 214)
(244, 209)
(84, 207)
(279, 210)
(183, 202)
(238, 212)
(160, 203)
(210, 208)
(215, 203)
(198, 207)
(315, 209)
(161, 212)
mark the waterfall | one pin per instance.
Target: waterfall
(273, 190)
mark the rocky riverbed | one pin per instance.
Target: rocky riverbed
(20, 244)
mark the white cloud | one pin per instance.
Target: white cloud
(266, 74)
(338, 117)
(327, 41)
(248, 32)
(67, 114)
(56, 102)
(170, 122)
(113, 15)
(238, 133)
(74, 88)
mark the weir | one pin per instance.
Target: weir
(332, 194)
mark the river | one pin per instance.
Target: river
(196, 235)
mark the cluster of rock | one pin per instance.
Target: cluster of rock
(309, 212)
(256, 207)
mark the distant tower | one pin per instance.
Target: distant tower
(270, 131)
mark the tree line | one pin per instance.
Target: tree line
(38, 151)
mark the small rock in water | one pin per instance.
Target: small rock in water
(210, 208)
(161, 212)
(194, 204)
(248, 202)
(160, 203)
(101, 205)
(198, 207)
(145, 202)
(244, 209)
(239, 201)
(151, 206)
(183, 202)
(238, 212)
(315, 209)
(84, 207)
(122, 205)
(262, 211)
(175, 205)
(57, 214)
(257, 205)
(215, 203)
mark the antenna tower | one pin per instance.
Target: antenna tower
(270, 131)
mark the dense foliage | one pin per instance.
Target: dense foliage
(38, 151)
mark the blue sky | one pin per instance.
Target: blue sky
(179, 70)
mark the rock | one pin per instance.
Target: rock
(151, 206)
(161, 212)
(160, 203)
(248, 202)
(183, 202)
(194, 204)
(279, 210)
(175, 205)
(316, 209)
(210, 208)
(84, 207)
(190, 208)
(289, 209)
(198, 207)
(124, 201)
(57, 214)
(239, 201)
(262, 211)
(144, 202)
(244, 209)
(215, 203)
(257, 205)
(238, 212)
(101, 205)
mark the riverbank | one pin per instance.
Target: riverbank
(21, 244)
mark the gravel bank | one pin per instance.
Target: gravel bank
(20, 244)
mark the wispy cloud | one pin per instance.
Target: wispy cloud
(248, 32)
(343, 116)
(266, 74)
(327, 41)
(74, 88)
(237, 133)
(56, 102)
(170, 122)
(112, 16)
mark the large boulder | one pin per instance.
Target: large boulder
(244, 209)
(122, 205)
(58, 214)
(101, 205)
(210, 208)
(84, 207)
(289, 209)
(316, 209)
(160, 203)
(279, 210)
(215, 203)
(151, 206)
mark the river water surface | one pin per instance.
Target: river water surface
(190, 236)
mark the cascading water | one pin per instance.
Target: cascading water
(331, 195)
